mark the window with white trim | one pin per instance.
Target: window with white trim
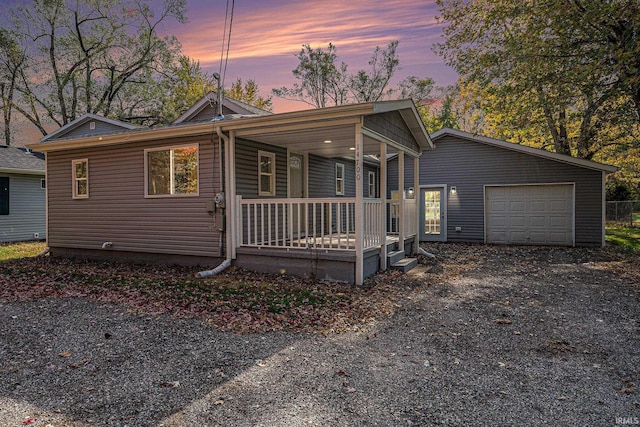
(266, 173)
(80, 174)
(372, 184)
(171, 171)
(339, 179)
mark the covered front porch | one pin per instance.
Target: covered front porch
(331, 217)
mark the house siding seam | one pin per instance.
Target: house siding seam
(26, 209)
(117, 211)
(392, 126)
(469, 166)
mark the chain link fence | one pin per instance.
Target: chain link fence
(624, 212)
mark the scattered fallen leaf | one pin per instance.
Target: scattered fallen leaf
(218, 402)
(628, 388)
(79, 363)
(65, 354)
(502, 321)
(350, 390)
(342, 373)
(170, 384)
(29, 421)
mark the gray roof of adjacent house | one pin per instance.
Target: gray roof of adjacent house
(20, 160)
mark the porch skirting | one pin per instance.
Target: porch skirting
(324, 265)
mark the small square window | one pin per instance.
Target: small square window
(339, 179)
(80, 174)
(266, 173)
(43, 183)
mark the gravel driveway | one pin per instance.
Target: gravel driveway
(487, 336)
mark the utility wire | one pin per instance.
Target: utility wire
(226, 60)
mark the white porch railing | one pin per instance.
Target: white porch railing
(328, 224)
(409, 218)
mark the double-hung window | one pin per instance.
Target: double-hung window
(80, 174)
(266, 173)
(339, 179)
(171, 171)
(372, 184)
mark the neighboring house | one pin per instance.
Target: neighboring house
(22, 195)
(296, 192)
(483, 190)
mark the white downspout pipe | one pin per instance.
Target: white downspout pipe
(227, 262)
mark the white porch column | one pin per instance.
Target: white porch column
(359, 206)
(401, 200)
(416, 195)
(230, 197)
(383, 197)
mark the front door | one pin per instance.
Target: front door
(433, 214)
(297, 186)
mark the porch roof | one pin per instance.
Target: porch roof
(330, 132)
(302, 131)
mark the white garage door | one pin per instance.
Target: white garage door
(530, 214)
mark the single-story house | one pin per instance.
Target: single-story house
(299, 192)
(478, 189)
(22, 195)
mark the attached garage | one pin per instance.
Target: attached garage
(529, 214)
(492, 191)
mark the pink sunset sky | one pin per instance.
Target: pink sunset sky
(266, 35)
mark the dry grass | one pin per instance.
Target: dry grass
(20, 250)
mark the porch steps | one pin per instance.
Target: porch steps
(405, 264)
(396, 260)
(394, 256)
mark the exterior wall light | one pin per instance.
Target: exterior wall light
(411, 193)
(454, 191)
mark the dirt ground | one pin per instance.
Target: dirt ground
(482, 335)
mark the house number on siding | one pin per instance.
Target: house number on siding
(358, 171)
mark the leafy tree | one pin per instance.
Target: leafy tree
(90, 56)
(374, 85)
(184, 85)
(12, 59)
(322, 81)
(564, 72)
(249, 93)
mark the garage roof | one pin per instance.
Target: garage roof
(589, 164)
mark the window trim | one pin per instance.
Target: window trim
(340, 192)
(271, 175)
(172, 184)
(75, 179)
(372, 184)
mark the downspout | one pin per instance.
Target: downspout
(227, 262)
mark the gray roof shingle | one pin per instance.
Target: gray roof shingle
(16, 159)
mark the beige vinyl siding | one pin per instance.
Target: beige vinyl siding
(26, 209)
(117, 211)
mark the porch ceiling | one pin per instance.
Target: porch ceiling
(312, 141)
